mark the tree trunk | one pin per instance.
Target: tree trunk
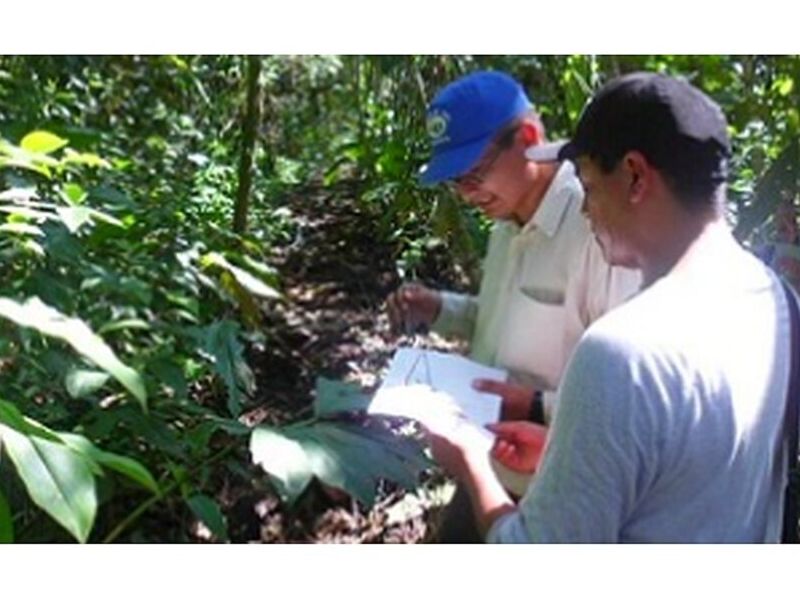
(249, 131)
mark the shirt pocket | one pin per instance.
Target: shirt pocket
(533, 339)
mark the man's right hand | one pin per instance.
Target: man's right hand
(518, 445)
(412, 305)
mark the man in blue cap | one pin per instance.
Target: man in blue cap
(544, 279)
(670, 425)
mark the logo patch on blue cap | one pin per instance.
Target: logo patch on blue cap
(437, 126)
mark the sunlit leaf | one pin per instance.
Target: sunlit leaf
(284, 459)
(19, 194)
(28, 213)
(123, 324)
(34, 247)
(81, 383)
(21, 229)
(85, 158)
(251, 283)
(47, 320)
(57, 479)
(74, 193)
(42, 142)
(248, 306)
(74, 217)
(22, 164)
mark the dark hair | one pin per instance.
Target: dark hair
(694, 171)
(679, 129)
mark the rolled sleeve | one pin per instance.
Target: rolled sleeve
(457, 315)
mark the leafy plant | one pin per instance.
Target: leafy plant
(353, 456)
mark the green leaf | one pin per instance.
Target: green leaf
(85, 158)
(208, 511)
(6, 522)
(42, 142)
(121, 464)
(12, 417)
(336, 397)
(82, 382)
(249, 282)
(783, 174)
(329, 464)
(74, 193)
(365, 460)
(98, 215)
(219, 340)
(353, 458)
(74, 217)
(58, 479)
(123, 324)
(284, 459)
(25, 213)
(21, 229)
(47, 320)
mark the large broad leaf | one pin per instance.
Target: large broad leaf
(47, 320)
(337, 397)
(58, 479)
(121, 464)
(6, 522)
(284, 460)
(350, 457)
(362, 460)
(42, 142)
(219, 340)
(208, 511)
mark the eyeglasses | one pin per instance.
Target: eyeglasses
(477, 175)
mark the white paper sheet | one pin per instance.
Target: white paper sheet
(436, 389)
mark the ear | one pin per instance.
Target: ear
(530, 133)
(640, 173)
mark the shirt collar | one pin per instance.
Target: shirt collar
(556, 200)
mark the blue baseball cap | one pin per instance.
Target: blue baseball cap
(464, 118)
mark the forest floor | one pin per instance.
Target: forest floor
(335, 277)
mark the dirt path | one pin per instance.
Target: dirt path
(335, 276)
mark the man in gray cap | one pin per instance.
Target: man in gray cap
(670, 422)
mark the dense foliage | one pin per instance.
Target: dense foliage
(129, 305)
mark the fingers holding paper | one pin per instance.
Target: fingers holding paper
(458, 446)
(518, 444)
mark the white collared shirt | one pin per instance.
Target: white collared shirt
(542, 285)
